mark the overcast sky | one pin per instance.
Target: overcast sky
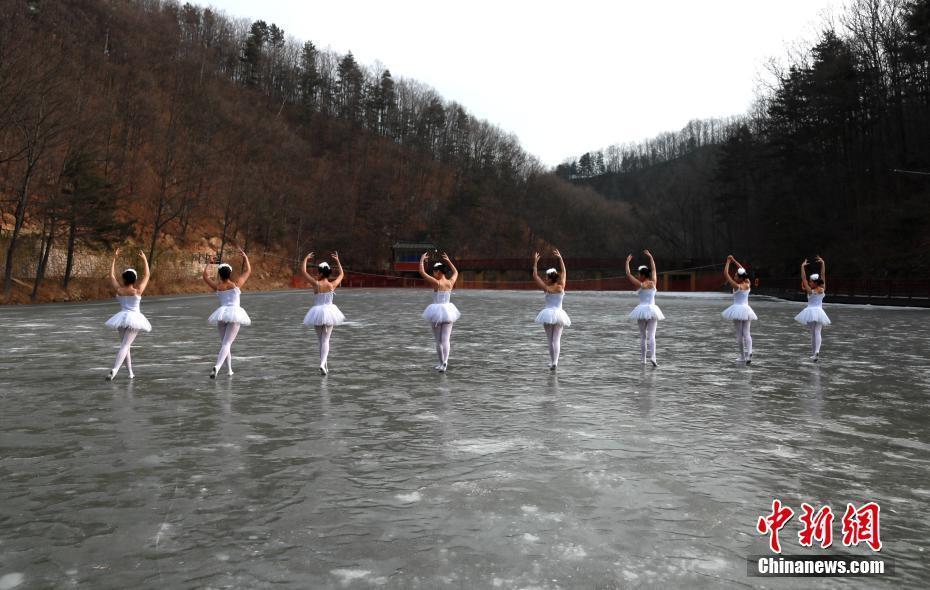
(569, 76)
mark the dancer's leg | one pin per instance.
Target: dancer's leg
(228, 334)
(747, 339)
(548, 329)
(127, 335)
(129, 364)
(319, 341)
(816, 337)
(740, 345)
(446, 336)
(221, 355)
(651, 326)
(642, 339)
(437, 338)
(325, 333)
(555, 344)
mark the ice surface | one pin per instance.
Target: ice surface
(496, 474)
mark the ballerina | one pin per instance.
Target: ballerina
(740, 312)
(552, 317)
(229, 316)
(129, 321)
(647, 314)
(813, 316)
(324, 314)
(441, 313)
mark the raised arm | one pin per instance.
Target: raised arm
(804, 284)
(206, 277)
(113, 282)
(823, 270)
(726, 272)
(430, 280)
(455, 271)
(563, 273)
(303, 270)
(145, 273)
(248, 269)
(536, 278)
(652, 267)
(339, 273)
(636, 282)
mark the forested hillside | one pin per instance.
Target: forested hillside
(834, 159)
(163, 124)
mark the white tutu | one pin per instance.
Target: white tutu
(324, 315)
(130, 319)
(230, 314)
(553, 315)
(441, 313)
(739, 311)
(324, 312)
(812, 314)
(646, 311)
(441, 310)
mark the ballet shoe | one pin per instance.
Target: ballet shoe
(323, 370)
(553, 366)
(815, 357)
(111, 375)
(132, 375)
(654, 362)
(213, 372)
(443, 367)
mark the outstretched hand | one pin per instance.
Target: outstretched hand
(629, 258)
(556, 253)
(445, 257)
(309, 256)
(647, 253)
(805, 263)
(335, 256)
(536, 257)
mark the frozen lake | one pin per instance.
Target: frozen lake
(497, 474)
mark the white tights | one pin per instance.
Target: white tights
(554, 336)
(228, 333)
(647, 338)
(442, 333)
(743, 338)
(816, 328)
(126, 335)
(322, 335)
